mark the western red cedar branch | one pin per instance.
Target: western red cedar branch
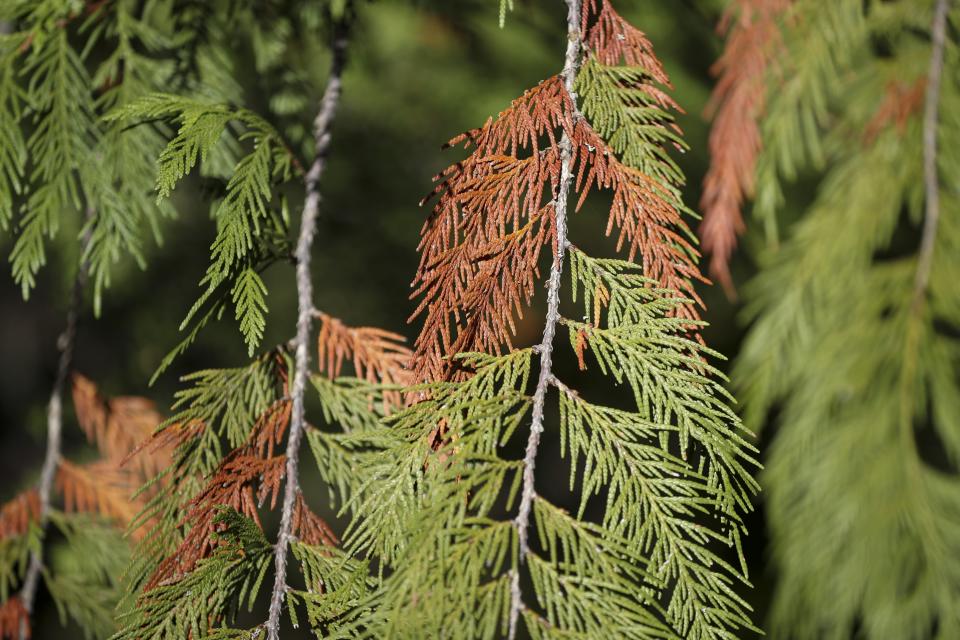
(481, 243)
(528, 490)
(65, 344)
(736, 105)
(322, 135)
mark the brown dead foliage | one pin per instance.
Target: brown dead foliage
(738, 101)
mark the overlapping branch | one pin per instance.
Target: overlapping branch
(567, 157)
(322, 134)
(480, 252)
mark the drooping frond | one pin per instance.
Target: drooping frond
(853, 349)
(647, 217)
(63, 129)
(124, 212)
(480, 286)
(242, 481)
(13, 149)
(481, 245)
(680, 410)
(827, 38)
(489, 219)
(250, 234)
(738, 101)
(674, 470)
(239, 409)
(59, 158)
(808, 277)
(227, 433)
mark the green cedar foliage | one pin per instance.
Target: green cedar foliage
(83, 125)
(853, 346)
(250, 233)
(438, 503)
(61, 165)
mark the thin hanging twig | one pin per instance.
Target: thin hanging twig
(51, 462)
(321, 129)
(522, 521)
(930, 176)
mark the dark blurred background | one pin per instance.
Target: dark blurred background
(420, 72)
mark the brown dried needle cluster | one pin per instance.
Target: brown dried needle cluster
(14, 617)
(378, 356)
(738, 101)
(250, 477)
(245, 480)
(902, 101)
(493, 212)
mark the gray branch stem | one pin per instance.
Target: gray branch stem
(51, 462)
(930, 172)
(528, 492)
(321, 129)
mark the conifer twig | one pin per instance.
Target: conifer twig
(930, 177)
(51, 462)
(922, 274)
(522, 521)
(321, 130)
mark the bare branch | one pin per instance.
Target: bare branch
(522, 521)
(321, 130)
(931, 179)
(51, 462)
